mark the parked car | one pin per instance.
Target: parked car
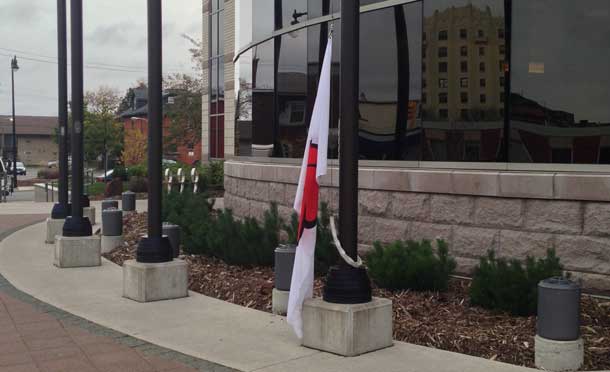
(55, 163)
(21, 171)
(105, 177)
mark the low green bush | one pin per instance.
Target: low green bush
(219, 234)
(139, 170)
(138, 184)
(411, 265)
(507, 285)
(120, 172)
(95, 189)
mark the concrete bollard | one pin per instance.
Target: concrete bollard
(128, 201)
(284, 261)
(106, 204)
(173, 234)
(112, 229)
(558, 345)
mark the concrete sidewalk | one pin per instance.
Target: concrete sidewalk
(200, 326)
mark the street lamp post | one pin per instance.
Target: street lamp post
(61, 209)
(14, 67)
(154, 248)
(77, 225)
(346, 284)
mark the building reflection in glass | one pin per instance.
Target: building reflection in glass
(463, 98)
(560, 82)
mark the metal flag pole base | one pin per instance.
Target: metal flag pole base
(347, 285)
(60, 211)
(77, 227)
(154, 250)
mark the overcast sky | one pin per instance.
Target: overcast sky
(114, 39)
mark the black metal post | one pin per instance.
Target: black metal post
(76, 224)
(346, 284)
(61, 209)
(155, 247)
(13, 68)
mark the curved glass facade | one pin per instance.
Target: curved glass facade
(523, 81)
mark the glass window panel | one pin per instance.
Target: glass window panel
(292, 94)
(560, 81)
(243, 23)
(221, 33)
(243, 104)
(221, 86)
(390, 82)
(263, 86)
(318, 8)
(263, 19)
(464, 129)
(213, 86)
(292, 12)
(214, 35)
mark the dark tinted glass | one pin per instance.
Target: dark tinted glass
(292, 12)
(317, 8)
(560, 111)
(263, 19)
(292, 94)
(262, 99)
(458, 126)
(390, 82)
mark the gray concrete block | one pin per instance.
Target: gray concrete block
(110, 243)
(54, 227)
(279, 301)
(82, 251)
(89, 212)
(347, 330)
(147, 282)
(558, 356)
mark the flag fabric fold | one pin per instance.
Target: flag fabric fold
(306, 200)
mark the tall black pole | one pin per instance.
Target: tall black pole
(61, 209)
(13, 68)
(76, 224)
(155, 247)
(346, 284)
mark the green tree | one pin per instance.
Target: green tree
(101, 127)
(185, 111)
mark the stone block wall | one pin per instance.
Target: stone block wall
(516, 213)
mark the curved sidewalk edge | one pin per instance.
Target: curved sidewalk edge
(200, 326)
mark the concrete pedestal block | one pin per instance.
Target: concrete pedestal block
(82, 251)
(146, 282)
(89, 212)
(279, 301)
(558, 356)
(347, 330)
(110, 243)
(54, 227)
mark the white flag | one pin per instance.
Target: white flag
(306, 200)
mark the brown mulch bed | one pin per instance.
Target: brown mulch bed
(440, 320)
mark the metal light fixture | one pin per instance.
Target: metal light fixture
(14, 64)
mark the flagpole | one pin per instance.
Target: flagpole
(346, 284)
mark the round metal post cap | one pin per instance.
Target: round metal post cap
(559, 283)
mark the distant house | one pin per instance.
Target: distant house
(35, 144)
(136, 117)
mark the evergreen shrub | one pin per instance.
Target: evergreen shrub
(507, 285)
(411, 265)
